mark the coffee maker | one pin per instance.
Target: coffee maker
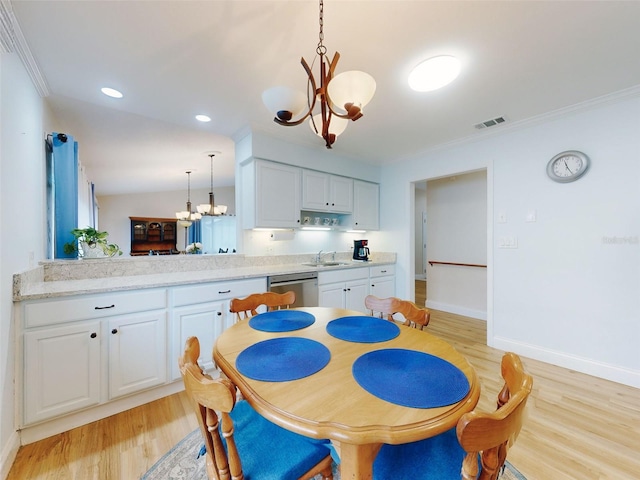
(360, 250)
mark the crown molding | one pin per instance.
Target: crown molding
(597, 102)
(12, 41)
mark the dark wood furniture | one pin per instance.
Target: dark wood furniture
(156, 235)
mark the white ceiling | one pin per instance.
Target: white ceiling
(175, 59)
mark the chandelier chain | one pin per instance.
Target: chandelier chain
(321, 50)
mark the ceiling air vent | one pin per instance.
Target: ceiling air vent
(490, 123)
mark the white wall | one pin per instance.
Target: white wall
(22, 180)
(457, 233)
(115, 210)
(570, 293)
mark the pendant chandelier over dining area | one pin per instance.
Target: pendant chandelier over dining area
(210, 208)
(341, 97)
(187, 217)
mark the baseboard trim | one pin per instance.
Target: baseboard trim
(587, 366)
(34, 433)
(458, 310)
(8, 455)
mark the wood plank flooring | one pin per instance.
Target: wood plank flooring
(577, 426)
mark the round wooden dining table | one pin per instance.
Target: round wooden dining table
(331, 404)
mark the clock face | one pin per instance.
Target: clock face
(567, 166)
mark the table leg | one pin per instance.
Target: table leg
(356, 461)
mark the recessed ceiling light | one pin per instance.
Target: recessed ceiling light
(111, 92)
(434, 73)
(203, 118)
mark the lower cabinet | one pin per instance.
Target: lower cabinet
(202, 311)
(137, 352)
(205, 321)
(62, 370)
(343, 288)
(383, 281)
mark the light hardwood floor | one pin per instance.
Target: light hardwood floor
(577, 426)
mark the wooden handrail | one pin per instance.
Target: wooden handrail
(433, 262)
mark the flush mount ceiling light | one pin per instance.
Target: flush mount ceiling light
(341, 97)
(210, 208)
(434, 73)
(111, 92)
(203, 118)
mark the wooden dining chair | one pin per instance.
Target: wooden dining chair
(239, 442)
(247, 307)
(414, 316)
(479, 443)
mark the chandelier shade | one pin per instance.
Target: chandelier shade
(339, 97)
(337, 126)
(351, 91)
(284, 102)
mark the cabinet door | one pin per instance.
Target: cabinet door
(331, 295)
(137, 352)
(356, 291)
(366, 205)
(341, 194)
(205, 321)
(383, 287)
(315, 191)
(61, 370)
(277, 195)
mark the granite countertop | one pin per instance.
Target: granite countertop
(77, 277)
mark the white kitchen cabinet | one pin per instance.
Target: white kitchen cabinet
(322, 192)
(366, 205)
(202, 311)
(383, 281)
(272, 195)
(343, 288)
(85, 350)
(205, 321)
(61, 370)
(137, 352)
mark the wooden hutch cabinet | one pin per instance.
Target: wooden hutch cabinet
(156, 234)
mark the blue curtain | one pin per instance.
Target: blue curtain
(195, 232)
(65, 191)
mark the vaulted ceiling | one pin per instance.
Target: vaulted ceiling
(174, 59)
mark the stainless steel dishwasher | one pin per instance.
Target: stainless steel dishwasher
(305, 286)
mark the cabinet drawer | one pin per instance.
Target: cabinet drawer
(383, 270)
(342, 275)
(215, 291)
(51, 312)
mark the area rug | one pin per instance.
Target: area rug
(182, 463)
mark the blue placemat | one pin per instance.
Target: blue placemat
(281, 321)
(283, 359)
(410, 378)
(363, 329)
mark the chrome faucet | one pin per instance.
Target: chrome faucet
(320, 254)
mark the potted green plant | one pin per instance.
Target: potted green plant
(90, 243)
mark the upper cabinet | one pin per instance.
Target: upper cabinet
(273, 195)
(276, 195)
(366, 205)
(322, 192)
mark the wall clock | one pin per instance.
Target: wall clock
(567, 166)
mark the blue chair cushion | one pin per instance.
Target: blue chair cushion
(436, 458)
(269, 452)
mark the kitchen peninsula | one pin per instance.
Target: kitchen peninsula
(96, 337)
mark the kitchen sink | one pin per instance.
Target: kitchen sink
(324, 264)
